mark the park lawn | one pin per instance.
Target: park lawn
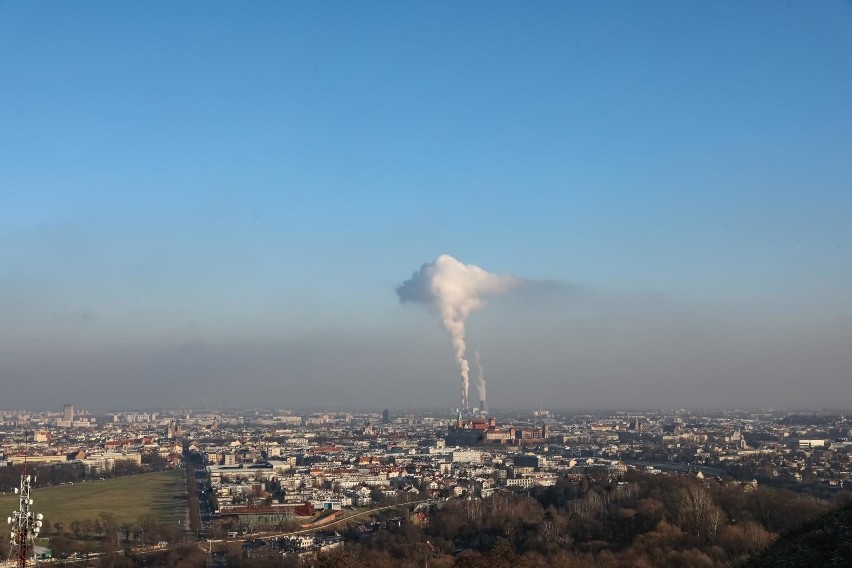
(162, 494)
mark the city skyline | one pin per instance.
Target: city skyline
(219, 201)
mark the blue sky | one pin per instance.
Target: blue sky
(260, 175)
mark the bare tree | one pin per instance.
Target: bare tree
(695, 504)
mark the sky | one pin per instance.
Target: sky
(212, 203)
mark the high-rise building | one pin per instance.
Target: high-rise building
(385, 416)
(68, 413)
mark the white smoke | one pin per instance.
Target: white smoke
(480, 378)
(454, 290)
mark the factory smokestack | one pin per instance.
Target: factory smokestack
(480, 381)
(453, 290)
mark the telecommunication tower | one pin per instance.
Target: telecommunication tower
(24, 523)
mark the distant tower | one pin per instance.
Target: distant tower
(385, 416)
(68, 413)
(172, 430)
(483, 406)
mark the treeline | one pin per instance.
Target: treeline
(115, 539)
(45, 475)
(810, 419)
(60, 473)
(184, 556)
(644, 520)
(105, 533)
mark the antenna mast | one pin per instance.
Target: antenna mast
(25, 524)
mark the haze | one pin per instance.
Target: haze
(213, 203)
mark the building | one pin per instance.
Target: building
(274, 515)
(476, 432)
(528, 460)
(36, 459)
(486, 432)
(174, 429)
(68, 413)
(808, 444)
(466, 456)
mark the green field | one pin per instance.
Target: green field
(162, 494)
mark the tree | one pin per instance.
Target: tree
(339, 560)
(694, 504)
(110, 531)
(60, 546)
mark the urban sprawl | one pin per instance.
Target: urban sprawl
(262, 473)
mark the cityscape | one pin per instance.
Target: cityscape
(479, 284)
(299, 485)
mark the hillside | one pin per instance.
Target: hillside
(825, 542)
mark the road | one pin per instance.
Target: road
(319, 528)
(669, 466)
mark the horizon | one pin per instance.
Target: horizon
(435, 411)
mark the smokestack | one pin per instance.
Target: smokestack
(480, 376)
(453, 290)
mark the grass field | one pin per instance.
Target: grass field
(162, 494)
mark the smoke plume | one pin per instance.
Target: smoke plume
(480, 378)
(454, 290)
